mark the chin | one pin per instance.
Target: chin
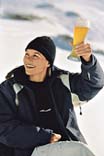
(28, 72)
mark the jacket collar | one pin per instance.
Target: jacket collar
(21, 77)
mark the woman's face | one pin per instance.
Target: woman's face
(35, 63)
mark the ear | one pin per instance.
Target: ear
(48, 65)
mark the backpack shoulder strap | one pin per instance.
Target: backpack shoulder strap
(66, 81)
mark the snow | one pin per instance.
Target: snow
(15, 34)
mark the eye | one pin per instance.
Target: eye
(26, 54)
(36, 56)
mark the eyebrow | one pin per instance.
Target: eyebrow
(38, 53)
(35, 53)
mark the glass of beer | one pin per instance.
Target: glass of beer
(80, 31)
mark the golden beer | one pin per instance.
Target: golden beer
(80, 32)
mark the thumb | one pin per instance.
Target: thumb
(55, 137)
(71, 43)
(58, 136)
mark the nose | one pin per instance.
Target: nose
(30, 58)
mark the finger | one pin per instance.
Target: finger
(85, 47)
(84, 53)
(82, 45)
(55, 137)
(58, 136)
(83, 50)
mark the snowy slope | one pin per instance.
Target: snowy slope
(56, 19)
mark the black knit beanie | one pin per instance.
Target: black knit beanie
(44, 45)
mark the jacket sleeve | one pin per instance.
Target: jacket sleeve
(13, 132)
(89, 82)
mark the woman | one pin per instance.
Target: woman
(36, 106)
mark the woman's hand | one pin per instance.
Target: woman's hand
(55, 137)
(84, 50)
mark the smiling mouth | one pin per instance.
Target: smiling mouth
(30, 66)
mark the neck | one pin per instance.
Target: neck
(38, 78)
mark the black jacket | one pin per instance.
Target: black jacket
(19, 134)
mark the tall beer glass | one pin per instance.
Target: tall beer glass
(80, 31)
